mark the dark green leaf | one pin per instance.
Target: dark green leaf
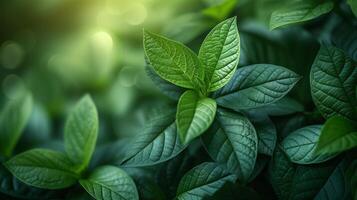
(255, 86)
(43, 168)
(333, 80)
(110, 183)
(157, 143)
(203, 181)
(300, 145)
(233, 141)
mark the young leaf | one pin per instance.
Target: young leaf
(13, 120)
(80, 134)
(333, 80)
(232, 140)
(203, 181)
(157, 143)
(173, 61)
(338, 134)
(110, 183)
(255, 86)
(299, 11)
(194, 115)
(43, 168)
(300, 146)
(219, 54)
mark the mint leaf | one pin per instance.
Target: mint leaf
(299, 11)
(300, 145)
(203, 181)
(233, 141)
(173, 61)
(110, 183)
(255, 86)
(80, 134)
(338, 134)
(219, 54)
(13, 120)
(43, 168)
(157, 142)
(194, 115)
(333, 80)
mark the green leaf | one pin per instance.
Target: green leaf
(194, 115)
(266, 136)
(110, 183)
(13, 120)
(170, 90)
(255, 86)
(299, 11)
(294, 182)
(284, 106)
(12, 186)
(221, 10)
(353, 4)
(203, 181)
(173, 61)
(338, 134)
(336, 187)
(233, 141)
(300, 145)
(157, 142)
(80, 133)
(333, 80)
(219, 54)
(43, 168)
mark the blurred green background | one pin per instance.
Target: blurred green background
(63, 49)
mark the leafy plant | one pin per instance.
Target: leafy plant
(51, 169)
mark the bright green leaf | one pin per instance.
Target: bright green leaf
(158, 142)
(233, 141)
(173, 61)
(80, 134)
(300, 145)
(13, 120)
(110, 183)
(299, 11)
(255, 86)
(333, 80)
(338, 134)
(203, 181)
(194, 115)
(219, 54)
(221, 10)
(43, 168)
